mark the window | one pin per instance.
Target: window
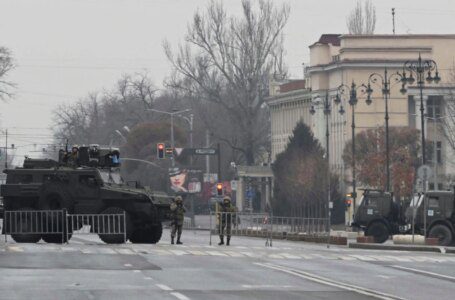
(23, 178)
(433, 202)
(87, 180)
(373, 202)
(434, 107)
(439, 152)
(412, 111)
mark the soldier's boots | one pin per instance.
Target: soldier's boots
(172, 240)
(228, 239)
(221, 240)
(178, 241)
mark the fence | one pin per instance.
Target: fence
(266, 225)
(29, 226)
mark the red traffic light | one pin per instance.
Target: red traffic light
(160, 150)
(348, 202)
(219, 189)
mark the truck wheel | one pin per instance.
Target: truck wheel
(55, 222)
(111, 229)
(378, 231)
(442, 233)
(157, 231)
(24, 222)
(147, 234)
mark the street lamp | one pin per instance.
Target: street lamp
(327, 110)
(419, 68)
(384, 82)
(344, 89)
(174, 112)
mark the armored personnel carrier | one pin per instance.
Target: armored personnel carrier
(85, 181)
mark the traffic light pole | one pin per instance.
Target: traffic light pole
(219, 161)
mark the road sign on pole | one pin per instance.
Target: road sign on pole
(204, 151)
(424, 172)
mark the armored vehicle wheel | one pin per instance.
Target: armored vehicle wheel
(56, 238)
(147, 235)
(23, 225)
(442, 233)
(378, 231)
(111, 229)
(157, 231)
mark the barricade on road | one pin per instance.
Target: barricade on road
(29, 226)
(268, 226)
(107, 226)
(57, 226)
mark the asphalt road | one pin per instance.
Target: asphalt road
(88, 269)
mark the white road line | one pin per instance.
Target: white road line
(163, 287)
(178, 252)
(180, 296)
(424, 272)
(125, 251)
(128, 265)
(148, 278)
(330, 282)
(216, 253)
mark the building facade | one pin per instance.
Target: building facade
(343, 59)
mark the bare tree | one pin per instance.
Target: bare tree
(225, 62)
(362, 19)
(6, 65)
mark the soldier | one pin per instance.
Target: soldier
(73, 157)
(178, 214)
(226, 216)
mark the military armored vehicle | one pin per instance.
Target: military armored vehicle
(88, 182)
(436, 210)
(379, 216)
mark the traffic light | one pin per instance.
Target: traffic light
(160, 150)
(348, 203)
(219, 189)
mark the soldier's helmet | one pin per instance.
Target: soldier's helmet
(178, 199)
(226, 199)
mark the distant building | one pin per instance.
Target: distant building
(340, 59)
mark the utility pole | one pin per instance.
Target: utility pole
(207, 157)
(6, 149)
(393, 19)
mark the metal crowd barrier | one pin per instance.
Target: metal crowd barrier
(105, 224)
(265, 225)
(34, 223)
(30, 225)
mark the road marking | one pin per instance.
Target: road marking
(136, 271)
(330, 282)
(363, 257)
(290, 256)
(270, 286)
(15, 249)
(422, 272)
(178, 252)
(125, 251)
(128, 265)
(163, 287)
(216, 253)
(233, 254)
(196, 252)
(148, 278)
(180, 296)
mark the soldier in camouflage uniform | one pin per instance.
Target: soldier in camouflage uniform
(178, 214)
(226, 216)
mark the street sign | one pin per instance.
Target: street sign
(424, 172)
(203, 151)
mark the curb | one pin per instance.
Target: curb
(400, 247)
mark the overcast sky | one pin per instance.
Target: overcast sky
(65, 49)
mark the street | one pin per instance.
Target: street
(88, 269)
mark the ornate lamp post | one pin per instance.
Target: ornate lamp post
(327, 110)
(419, 68)
(384, 82)
(344, 89)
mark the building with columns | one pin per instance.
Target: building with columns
(342, 59)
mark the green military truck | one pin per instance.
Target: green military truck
(378, 215)
(89, 183)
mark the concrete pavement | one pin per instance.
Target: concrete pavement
(88, 269)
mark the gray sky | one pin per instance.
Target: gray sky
(65, 49)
